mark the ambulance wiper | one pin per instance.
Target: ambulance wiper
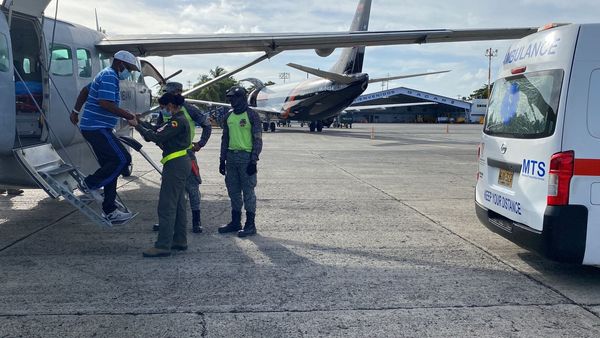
(488, 127)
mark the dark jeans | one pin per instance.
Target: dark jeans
(113, 158)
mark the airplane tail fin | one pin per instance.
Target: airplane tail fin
(351, 60)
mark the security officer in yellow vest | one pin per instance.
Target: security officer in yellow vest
(194, 117)
(173, 137)
(241, 145)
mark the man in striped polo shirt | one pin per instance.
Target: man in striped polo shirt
(98, 120)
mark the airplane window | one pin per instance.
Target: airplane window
(62, 61)
(4, 56)
(84, 62)
(141, 79)
(104, 60)
(135, 76)
(26, 66)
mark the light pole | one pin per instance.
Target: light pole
(490, 53)
(284, 76)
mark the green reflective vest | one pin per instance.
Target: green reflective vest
(190, 121)
(240, 132)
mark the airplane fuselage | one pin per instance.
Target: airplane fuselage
(311, 100)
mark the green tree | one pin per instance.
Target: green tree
(481, 93)
(216, 91)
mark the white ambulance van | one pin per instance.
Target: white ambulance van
(539, 159)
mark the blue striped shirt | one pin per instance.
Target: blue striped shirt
(104, 87)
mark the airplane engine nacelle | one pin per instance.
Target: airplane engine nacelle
(324, 52)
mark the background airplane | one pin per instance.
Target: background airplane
(44, 62)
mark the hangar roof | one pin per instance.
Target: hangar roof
(407, 95)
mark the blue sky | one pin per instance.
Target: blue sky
(466, 60)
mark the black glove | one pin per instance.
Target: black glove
(222, 169)
(251, 169)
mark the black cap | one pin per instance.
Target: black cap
(236, 91)
(175, 99)
(173, 87)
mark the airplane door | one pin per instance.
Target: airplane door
(7, 90)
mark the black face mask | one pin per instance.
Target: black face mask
(238, 103)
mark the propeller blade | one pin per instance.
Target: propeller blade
(173, 75)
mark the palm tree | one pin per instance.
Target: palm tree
(216, 91)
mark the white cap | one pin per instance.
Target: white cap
(126, 57)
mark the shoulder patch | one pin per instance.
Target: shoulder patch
(174, 124)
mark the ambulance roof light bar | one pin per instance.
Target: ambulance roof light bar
(518, 70)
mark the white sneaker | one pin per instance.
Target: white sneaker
(118, 216)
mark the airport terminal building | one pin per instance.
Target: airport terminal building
(405, 105)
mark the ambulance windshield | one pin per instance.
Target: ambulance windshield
(524, 106)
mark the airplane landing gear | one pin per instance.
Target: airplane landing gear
(269, 126)
(319, 126)
(315, 125)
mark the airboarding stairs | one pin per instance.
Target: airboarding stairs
(60, 179)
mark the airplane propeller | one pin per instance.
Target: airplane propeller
(173, 75)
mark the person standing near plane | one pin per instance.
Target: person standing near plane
(241, 145)
(98, 120)
(194, 116)
(173, 137)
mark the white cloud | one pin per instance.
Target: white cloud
(466, 60)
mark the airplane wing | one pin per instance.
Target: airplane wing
(390, 78)
(223, 104)
(177, 44)
(339, 78)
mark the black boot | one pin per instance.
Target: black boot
(196, 224)
(249, 226)
(234, 225)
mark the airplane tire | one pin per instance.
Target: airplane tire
(265, 126)
(312, 126)
(319, 126)
(273, 127)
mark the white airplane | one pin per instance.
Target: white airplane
(319, 100)
(44, 63)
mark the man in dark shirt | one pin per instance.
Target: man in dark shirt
(241, 145)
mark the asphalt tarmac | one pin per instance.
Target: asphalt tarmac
(363, 232)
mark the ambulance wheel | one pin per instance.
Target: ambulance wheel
(272, 127)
